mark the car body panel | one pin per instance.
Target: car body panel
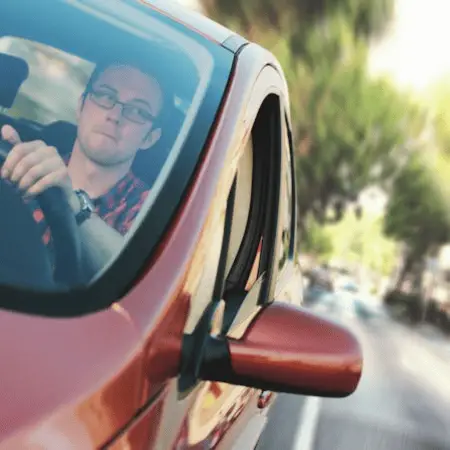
(111, 378)
(144, 432)
(80, 391)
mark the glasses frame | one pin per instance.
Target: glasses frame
(91, 94)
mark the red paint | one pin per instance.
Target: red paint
(327, 356)
(52, 388)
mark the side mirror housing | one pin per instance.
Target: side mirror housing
(287, 349)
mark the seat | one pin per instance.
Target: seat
(13, 72)
(60, 134)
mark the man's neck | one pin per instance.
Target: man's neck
(94, 179)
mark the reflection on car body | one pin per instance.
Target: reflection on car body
(178, 334)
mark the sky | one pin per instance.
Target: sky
(189, 3)
(416, 51)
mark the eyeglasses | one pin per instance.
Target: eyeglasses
(133, 113)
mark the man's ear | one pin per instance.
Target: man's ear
(151, 139)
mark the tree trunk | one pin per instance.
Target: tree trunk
(407, 266)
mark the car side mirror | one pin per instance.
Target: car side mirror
(287, 349)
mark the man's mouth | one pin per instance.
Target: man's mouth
(109, 135)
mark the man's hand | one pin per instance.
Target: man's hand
(34, 167)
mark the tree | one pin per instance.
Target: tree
(292, 17)
(439, 103)
(417, 213)
(317, 242)
(350, 131)
(363, 242)
(359, 131)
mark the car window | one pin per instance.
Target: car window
(105, 122)
(55, 81)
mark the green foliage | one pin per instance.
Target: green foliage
(350, 131)
(417, 213)
(317, 241)
(366, 17)
(439, 102)
(358, 132)
(363, 241)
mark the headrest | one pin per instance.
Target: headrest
(60, 134)
(13, 72)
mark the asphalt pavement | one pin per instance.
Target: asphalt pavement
(402, 402)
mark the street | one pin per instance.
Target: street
(402, 402)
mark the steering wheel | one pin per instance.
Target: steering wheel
(63, 227)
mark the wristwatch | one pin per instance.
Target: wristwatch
(86, 206)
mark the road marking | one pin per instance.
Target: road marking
(309, 419)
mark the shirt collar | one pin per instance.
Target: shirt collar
(117, 190)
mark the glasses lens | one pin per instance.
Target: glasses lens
(136, 114)
(103, 99)
(131, 112)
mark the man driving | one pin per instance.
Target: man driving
(116, 119)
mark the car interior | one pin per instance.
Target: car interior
(35, 269)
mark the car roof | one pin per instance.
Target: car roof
(192, 19)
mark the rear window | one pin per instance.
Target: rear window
(95, 115)
(54, 84)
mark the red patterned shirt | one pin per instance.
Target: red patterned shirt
(118, 207)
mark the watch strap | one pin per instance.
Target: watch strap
(86, 206)
(82, 215)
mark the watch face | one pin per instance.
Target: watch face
(85, 200)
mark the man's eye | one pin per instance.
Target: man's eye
(142, 113)
(105, 96)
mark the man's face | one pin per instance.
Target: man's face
(107, 136)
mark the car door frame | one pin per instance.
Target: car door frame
(265, 87)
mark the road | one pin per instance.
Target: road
(402, 402)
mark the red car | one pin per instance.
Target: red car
(164, 308)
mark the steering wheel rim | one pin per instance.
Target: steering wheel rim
(64, 230)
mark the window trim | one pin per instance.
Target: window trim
(261, 200)
(269, 249)
(290, 206)
(294, 206)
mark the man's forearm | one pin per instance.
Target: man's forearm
(99, 243)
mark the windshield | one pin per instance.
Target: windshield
(92, 123)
